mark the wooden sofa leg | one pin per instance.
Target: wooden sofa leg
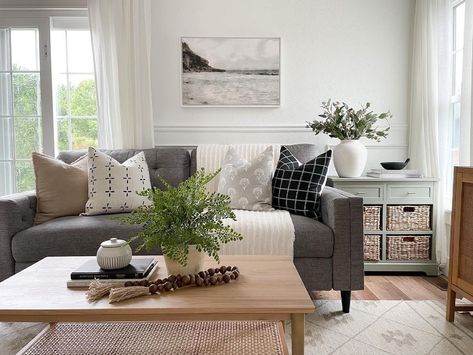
(346, 297)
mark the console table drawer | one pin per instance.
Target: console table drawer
(370, 194)
(405, 193)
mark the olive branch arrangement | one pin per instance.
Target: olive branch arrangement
(182, 216)
(346, 123)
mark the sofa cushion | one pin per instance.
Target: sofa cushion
(61, 188)
(248, 183)
(70, 236)
(82, 235)
(172, 164)
(297, 186)
(313, 238)
(114, 186)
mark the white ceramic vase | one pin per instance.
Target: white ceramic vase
(114, 254)
(195, 263)
(349, 157)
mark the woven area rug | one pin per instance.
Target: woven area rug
(371, 327)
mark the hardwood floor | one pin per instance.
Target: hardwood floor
(394, 287)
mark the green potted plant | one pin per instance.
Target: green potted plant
(349, 125)
(186, 222)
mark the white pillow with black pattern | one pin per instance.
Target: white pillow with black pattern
(248, 183)
(113, 186)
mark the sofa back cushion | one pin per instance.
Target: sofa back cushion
(303, 152)
(173, 164)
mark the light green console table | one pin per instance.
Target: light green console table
(388, 192)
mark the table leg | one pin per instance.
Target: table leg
(297, 334)
(451, 299)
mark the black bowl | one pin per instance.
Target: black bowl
(394, 165)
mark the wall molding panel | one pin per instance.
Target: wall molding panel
(285, 134)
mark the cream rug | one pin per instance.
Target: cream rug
(371, 327)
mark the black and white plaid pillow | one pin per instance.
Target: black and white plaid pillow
(296, 186)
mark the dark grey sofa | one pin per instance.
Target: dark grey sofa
(328, 254)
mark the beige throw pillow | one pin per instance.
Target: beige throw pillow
(61, 188)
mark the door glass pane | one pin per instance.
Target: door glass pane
(459, 25)
(63, 134)
(25, 180)
(20, 107)
(75, 103)
(458, 72)
(456, 134)
(58, 51)
(82, 95)
(6, 182)
(6, 143)
(26, 94)
(5, 95)
(60, 95)
(4, 49)
(25, 49)
(27, 136)
(84, 133)
(79, 52)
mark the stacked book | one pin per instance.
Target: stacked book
(389, 174)
(139, 269)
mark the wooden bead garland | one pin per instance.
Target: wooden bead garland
(202, 278)
(132, 289)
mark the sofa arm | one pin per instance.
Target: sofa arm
(343, 213)
(16, 214)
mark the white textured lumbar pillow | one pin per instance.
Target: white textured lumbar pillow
(248, 183)
(113, 186)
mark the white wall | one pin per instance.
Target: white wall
(349, 50)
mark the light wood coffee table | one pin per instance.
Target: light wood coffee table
(269, 288)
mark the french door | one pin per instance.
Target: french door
(26, 117)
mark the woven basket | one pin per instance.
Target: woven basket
(408, 218)
(372, 247)
(372, 218)
(408, 247)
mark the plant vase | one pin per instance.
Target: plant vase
(195, 263)
(349, 157)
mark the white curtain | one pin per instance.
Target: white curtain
(429, 102)
(121, 38)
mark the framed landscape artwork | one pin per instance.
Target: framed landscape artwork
(230, 71)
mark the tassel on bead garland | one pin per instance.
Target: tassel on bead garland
(126, 293)
(98, 289)
(132, 289)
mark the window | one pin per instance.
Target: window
(75, 107)
(47, 100)
(20, 107)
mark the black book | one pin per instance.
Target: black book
(139, 268)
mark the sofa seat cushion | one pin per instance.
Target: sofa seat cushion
(313, 238)
(70, 236)
(82, 235)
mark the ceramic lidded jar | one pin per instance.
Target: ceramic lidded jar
(114, 254)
